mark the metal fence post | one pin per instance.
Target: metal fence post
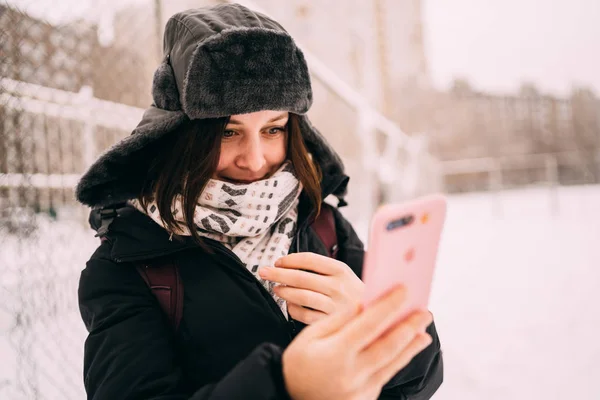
(496, 185)
(86, 95)
(551, 164)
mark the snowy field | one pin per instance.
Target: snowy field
(517, 294)
(516, 298)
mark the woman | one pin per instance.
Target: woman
(223, 177)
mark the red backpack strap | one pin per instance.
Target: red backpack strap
(165, 283)
(324, 226)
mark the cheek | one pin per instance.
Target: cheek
(225, 159)
(277, 152)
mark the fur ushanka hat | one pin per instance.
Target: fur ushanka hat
(219, 61)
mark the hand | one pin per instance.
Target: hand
(310, 296)
(352, 354)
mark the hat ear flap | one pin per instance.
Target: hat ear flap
(322, 152)
(324, 155)
(164, 88)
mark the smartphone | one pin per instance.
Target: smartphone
(402, 248)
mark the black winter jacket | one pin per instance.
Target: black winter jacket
(232, 333)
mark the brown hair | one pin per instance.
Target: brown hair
(189, 158)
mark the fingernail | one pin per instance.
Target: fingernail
(263, 271)
(278, 262)
(427, 318)
(424, 322)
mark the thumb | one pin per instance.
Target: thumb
(334, 322)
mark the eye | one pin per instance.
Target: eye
(275, 130)
(228, 134)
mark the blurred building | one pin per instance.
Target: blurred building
(69, 57)
(133, 55)
(526, 138)
(54, 57)
(121, 75)
(45, 67)
(34, 51)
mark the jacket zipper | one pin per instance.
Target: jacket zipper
(142, 255)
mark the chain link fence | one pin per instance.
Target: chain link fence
(64, 98)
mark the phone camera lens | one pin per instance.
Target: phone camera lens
(408, 220)
(399, 223)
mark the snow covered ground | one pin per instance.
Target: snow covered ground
(41, 333)
(515, 296)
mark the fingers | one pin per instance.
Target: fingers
(417, 345)
(296, 278)
(387, 348)
(305, 315)
(333, 323)
(306, 298)
(375, 319)
(311, 262)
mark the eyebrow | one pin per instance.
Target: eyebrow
(277, 118)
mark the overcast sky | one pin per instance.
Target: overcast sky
(495, 44)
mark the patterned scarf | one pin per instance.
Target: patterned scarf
(256, 221)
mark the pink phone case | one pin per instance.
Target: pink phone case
(404, 254)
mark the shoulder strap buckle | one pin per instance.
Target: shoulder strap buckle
(107, 215)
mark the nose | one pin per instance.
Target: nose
(252, 157)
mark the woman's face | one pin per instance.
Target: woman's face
(253, 146)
